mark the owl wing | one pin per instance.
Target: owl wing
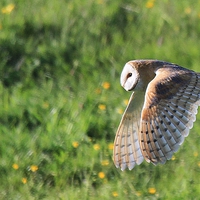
(171, 102)
(127, 151)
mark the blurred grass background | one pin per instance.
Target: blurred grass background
(61, 101)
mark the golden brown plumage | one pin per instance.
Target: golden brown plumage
(159, 114)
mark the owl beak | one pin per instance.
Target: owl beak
(123, 84)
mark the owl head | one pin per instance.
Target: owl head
(129, 77)
(137, 74)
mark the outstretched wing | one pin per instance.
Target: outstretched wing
(127, 151)
(171, 102)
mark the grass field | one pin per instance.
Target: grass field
(61, 101)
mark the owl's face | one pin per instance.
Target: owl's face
(129, 77)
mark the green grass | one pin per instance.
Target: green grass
(54, 58)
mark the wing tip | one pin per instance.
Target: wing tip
(130, 165)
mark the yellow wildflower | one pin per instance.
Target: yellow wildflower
(120, 111)
(24, 180)
(152, 190)
(115, 194)
(75, 144)
(96, 147)
(110, 146)
(105, 162)
(188, 10)
(126, 102)
(198, 164)
(8, 9)
(101, 175)
(15, 166)
(45, 105)
(34, 168)
(102, 106)
(173, 157)
(138, 193)
(195, 154)
(106, 85)
(150, 4)
(100, 2)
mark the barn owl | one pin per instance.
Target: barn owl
(160, 112)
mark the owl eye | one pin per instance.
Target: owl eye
(129, 75)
